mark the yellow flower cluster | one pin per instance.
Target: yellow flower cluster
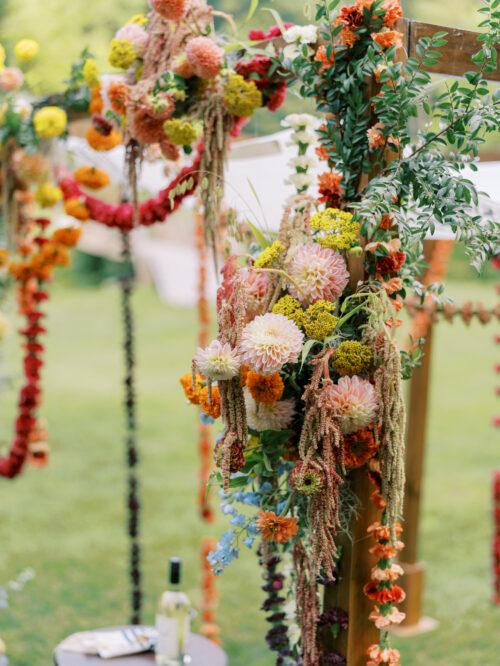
(91, 73)
(341, 230)
(50, 122)
(289, 307)
(180, 132)
(241, 97)
(122, 54)
(352, 357)
(319, 320)
(270, 256)
(47, 195)
(139, 19)
(26, 49)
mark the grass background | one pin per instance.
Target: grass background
(67, 521)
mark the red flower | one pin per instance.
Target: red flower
(392, 263)
(351, 16)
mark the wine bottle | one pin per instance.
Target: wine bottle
(173, 620)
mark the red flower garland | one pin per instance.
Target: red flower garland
(156, 209)
(496, 538)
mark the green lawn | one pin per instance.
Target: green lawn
(67, 521)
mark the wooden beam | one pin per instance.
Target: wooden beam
(456, 55)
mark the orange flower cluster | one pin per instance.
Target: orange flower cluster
(76, 208)
(50, 253)
(117, 95)
(198, 394)
(265, 388)
(277, 529)
(91, 177)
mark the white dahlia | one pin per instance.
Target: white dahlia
(353, 400)
(218, 361)
(270, 341)
(318, 273)
(276, 416)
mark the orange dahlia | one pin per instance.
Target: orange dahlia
(117, 95)
(360, 447)
(265, 388)
(77, 209)
(91, 177)
(277, 529)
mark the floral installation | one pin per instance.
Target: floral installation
(310, 405)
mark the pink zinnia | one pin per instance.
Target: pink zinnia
(173, 10)
(11, 78)
(204, 56)
(317, 273)
(270, 341)
(353, 400)
(136, 35)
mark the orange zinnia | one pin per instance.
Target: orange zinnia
(90, 177)
(265, 388)
(76, 209)
(276, 528)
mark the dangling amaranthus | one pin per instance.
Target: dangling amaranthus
(307, 603)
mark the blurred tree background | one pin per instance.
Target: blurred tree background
(63, 28)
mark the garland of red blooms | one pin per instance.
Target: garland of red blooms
(496, 538)
(31, 275)
(156, 209)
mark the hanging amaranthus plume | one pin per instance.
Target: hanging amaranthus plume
(390, 431)
(307, 604)
(231, 307)
(321, 447)
(217, 123)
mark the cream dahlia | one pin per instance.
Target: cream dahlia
(353, 400)
(275, 416)
(270, 341)
(217, 361)
(204, 56)
(318, 273)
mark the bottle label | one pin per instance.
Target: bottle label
(168, 636)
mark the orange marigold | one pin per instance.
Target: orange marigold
(210, 404)
(67, 236)
(265, 388)
(192, 392)
(96, 104)
(388, 38)
(103, 142)
(91, 177)
(77, 209)
(117, 95)
(276, 528)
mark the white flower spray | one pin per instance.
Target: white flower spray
(304, 137)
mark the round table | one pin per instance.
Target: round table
(202, 652)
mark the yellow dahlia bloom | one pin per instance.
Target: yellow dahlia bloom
(50, 122)
(26, 49)
(122, 54)
(48, 195)
(91, 73)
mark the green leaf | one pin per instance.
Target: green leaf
(258, 235)
(252, 9)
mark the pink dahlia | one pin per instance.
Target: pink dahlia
(11, 78)
(276, 416)
(270, 341)
(173, 10)
(317, 273)
(218, 361)
(256, 289)
(136, 35)
(353, 400)
(204, 56)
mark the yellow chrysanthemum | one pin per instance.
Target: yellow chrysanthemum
(122, 54)
(337, 229)
(270, 256)
(50, 122)
(180, 132)
(2, 57)
(139, 19)
(241, 97)
(48, 195)
(91, 73)
(319, 320)
(289, 307)
(352, 357)
(26, 49)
